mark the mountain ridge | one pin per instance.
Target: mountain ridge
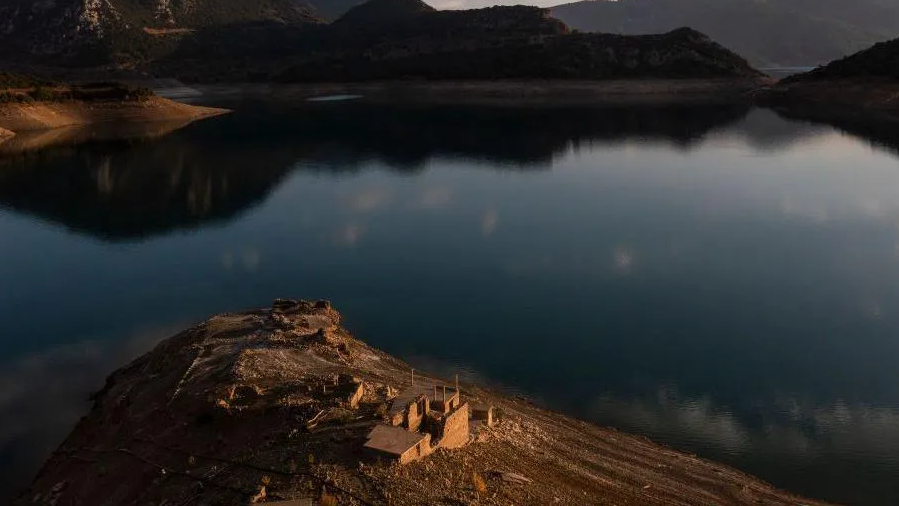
(281, 40)
(770, 33)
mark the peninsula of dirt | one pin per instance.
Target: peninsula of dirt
(38, 105)
(283, 405)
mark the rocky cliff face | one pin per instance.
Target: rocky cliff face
(50, 27)
(88, 32)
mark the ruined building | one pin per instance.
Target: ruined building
(418, 425)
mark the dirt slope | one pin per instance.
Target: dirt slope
(238, 409)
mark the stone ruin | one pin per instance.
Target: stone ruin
(418, 424)
(423, 418)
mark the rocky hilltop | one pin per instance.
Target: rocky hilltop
(91, 32)
(283, 404)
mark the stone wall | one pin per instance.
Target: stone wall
(454, 433)
(416, 412)
(418, 451)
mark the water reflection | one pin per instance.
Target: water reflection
(136, 189)
(61, 377)
(145, 185)
(881, 130)
(721, 280)
(817, 447)
(63, 137)
(151, 183)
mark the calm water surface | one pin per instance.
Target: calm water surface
(720, 279)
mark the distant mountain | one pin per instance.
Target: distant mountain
(378, 12)
(766, 32)
(329, 10)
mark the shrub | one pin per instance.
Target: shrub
(327, 499)
(141, 94)
(10, 80)
(7, 97)
(480, 485)
(43, 94)
(110, 91)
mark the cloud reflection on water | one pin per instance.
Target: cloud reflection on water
(43, 395)
(785, 435)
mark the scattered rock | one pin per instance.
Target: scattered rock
(259, 496)
(512, 477)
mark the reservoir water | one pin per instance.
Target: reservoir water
(720, 279)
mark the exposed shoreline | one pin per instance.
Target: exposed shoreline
(523, 92)
(239, 406)
(34, 116)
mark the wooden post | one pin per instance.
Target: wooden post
(457, 385)
(444, 394)
(435, 393)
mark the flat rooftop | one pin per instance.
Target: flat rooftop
(393, 440)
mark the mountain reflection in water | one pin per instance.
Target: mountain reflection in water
(212, 171)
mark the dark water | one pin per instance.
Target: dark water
(720, 279)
